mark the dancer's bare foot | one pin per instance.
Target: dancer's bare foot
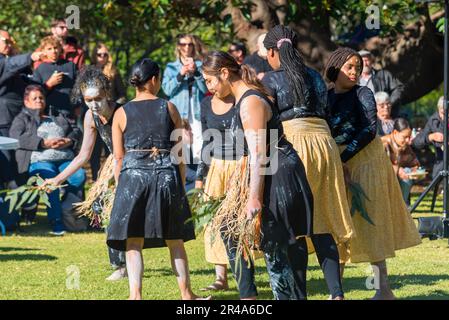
(118, 274)
(218, 285)
(384, 295)
(195, 297)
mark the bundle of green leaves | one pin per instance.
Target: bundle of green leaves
(28, 193)
(203, 207)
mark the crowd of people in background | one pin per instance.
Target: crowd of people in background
(57, 134)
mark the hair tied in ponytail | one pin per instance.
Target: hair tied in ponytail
(281, 41)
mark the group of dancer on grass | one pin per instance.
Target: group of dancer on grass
(296, 180)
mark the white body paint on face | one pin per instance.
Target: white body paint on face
(92, 91)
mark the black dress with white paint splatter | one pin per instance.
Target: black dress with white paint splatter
(150, 200)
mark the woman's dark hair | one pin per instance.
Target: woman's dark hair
(401, 124)
(90, 76)
(284, 40)
(31, 88)
(217, 60)
(142, 71)
(239, 46)
(336, 61)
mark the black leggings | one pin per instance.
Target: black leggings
(327, 253)
(242, 270)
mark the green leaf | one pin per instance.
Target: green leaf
(33, 196)
(32, 180)
(13, 202)
(44, 198)
(25, 196)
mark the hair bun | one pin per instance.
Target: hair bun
(135, 80)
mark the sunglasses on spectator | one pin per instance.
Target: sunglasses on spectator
(7, 41)
(183, 44)
(102, 55)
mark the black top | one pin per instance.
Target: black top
(434, 124)
(13, 80)
(58, 97)
(273, 124)
(105, 130)
(315, 95)
(148, 125)
(219, 147)
(352, 119)
(258, 63)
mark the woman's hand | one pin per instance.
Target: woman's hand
(402, 175)
(55, 79)
(53, 182)
(50, 143)
(63, 143)
(198, 184)
(253, 207)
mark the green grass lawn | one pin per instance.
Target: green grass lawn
(34, 265)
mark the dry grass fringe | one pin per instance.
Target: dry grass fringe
(104, 189)
(230, 219)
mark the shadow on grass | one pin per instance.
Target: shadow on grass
(7, 249)
(26, 257)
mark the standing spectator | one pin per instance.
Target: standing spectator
(46, 148)
(102, 59)
(238, 51)
(433, 134)
(184, 85)
(384, 121)
(404, 160)
(381, 80)
(258, 60)
(71, 51)
(13, 80)
(57, 76)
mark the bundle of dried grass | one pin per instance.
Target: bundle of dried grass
(100, 196)
(231, 221)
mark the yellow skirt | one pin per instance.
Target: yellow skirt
(320, 155)
(220, 171)
(393, 228)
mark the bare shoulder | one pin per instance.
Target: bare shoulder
(254, 105)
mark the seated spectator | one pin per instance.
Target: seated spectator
(258, 60)
(238, 51)
(384, 120)
(46, 146)
(404, 160)
(432, 134)
(57, 76)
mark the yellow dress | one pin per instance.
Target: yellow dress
(220, 171)
(320, 155)
(393, 228)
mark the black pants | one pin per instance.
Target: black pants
(328, 257)
(242, 270)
